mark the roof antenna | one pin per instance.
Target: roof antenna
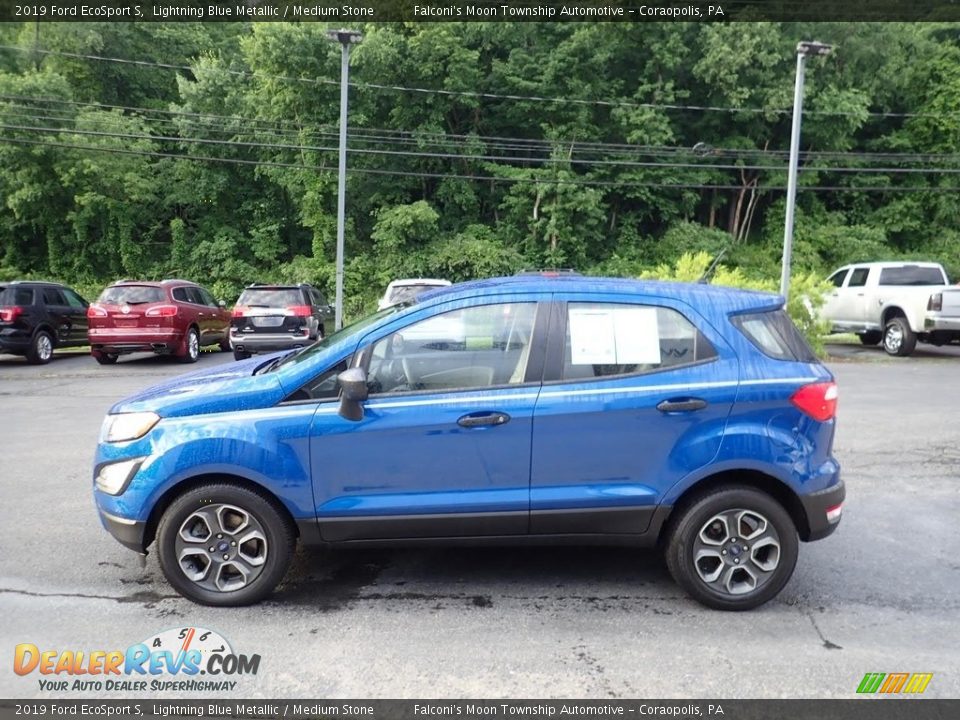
(708, 273)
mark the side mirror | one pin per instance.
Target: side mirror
(353, 386)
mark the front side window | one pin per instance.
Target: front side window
(605, 339)
(838, 277)
(470, 348)
(73, 299)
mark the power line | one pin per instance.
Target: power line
(400, 136)
(484, 178)
(487, 95)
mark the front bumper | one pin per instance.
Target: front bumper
(820, 522)
(129, 533)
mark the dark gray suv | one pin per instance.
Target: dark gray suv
(276, 317)
(37, 317)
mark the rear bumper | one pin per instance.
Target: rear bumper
(14, 341)
(124, 340)
(267, 342)
(129, 533)
(816, 506)
(933, 323)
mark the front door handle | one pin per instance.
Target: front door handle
(485, 418)
(684, 405)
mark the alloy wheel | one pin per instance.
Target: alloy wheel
(736, 552)
(221, 547)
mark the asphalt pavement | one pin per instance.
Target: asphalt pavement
(880, 595)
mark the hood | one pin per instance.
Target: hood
(224, 388)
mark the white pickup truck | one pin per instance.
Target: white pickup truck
(896, 303)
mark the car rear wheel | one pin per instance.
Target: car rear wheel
(104, 358)
(240, 355)
(898, 338)
(41, 348)
(191, 347)
(733, 549)
(224, 545)
(871, 337)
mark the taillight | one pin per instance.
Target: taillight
(161, 311)
(819, 400)
(9, 314)
(95, 311)
(239, 311)
(300, 310)
(935, 302)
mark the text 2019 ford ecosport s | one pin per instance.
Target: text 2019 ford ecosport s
(508, 410)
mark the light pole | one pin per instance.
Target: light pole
(803, 49)
(346, 38)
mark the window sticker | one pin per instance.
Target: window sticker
(614, 336)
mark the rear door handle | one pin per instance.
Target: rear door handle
(684, 405)
(485, 418)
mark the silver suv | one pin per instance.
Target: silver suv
(276, 317)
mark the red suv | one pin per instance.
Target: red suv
(172, 317)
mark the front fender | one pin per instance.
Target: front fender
(268, 447)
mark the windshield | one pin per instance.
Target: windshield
(336, 337)
(402, 293)
(131, 295)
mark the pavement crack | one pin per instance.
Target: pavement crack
(826, 643)
(146, 598)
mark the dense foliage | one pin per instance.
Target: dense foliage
(475, 149)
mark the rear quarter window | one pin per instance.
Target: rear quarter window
(912, 275)
(16, 296)
(774, 334)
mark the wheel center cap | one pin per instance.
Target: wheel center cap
(223, 546)
(735, 550)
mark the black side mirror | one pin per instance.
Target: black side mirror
(353, 387)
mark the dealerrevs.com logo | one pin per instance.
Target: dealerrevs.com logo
(176, 660)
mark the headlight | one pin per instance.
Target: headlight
(127, 426)
(114, 477)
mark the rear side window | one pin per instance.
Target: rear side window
(775, 335)
(911, 275)
(270, 297)
(605, 339)
(858, 278)
(131, 295)
(16, 296)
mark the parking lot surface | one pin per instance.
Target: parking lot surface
(880, 595)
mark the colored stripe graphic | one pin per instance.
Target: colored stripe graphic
(871, 682)
(893, 683)
(918, 682)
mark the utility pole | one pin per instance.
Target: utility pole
(803, 49)
(346, 38)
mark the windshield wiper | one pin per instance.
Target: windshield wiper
(276, 361)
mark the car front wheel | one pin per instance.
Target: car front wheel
(733, 549)
(224, 545)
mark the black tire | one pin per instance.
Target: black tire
(240, 355)
(685, 532)
(41, 347)
(871, 337)
(104, 358)
(191, 347)
(225, 345)
(280, 542)
(898, 339)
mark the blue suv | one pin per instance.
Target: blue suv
(567, 409)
